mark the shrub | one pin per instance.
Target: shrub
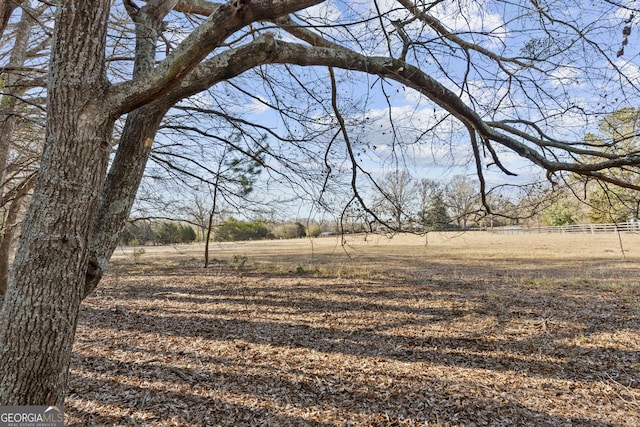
(560, 213)
(170, 233)
(187, 234)
(137, 234)
(289, 230)
(233, 230)
(314, 230)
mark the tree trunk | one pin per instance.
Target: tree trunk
(39, 316)
(133, 152)
(208, 238)
(11, 92)
(8, 119)
(120, 188)
(8, 232)
(6, 10)
(210, 224)
(9, 228)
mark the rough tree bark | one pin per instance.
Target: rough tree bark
(40, 311)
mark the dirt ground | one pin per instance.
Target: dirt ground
(473, 329)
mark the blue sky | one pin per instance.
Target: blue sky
(585, 81)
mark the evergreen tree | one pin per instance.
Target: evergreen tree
(187, 234)
(560, 213)
(435, 217)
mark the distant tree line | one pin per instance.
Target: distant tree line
(406, 204)
(403, 203)
(141, 233)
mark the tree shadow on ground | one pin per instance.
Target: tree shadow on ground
(205, 404)
(295, 349)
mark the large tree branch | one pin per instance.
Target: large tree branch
(304, 34)
(548, 142)
(268, 50)
(415, 78)
(226, 20)
(198, 7)
(193, 7)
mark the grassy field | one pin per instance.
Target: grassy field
(466, 329)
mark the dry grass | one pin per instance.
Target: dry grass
(479, 329)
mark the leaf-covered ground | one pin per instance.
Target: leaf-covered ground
(500, 332)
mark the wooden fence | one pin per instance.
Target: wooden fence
(577, 228)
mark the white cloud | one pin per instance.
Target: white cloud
(323, 13)
(630, 70)
(566, 77)
(256, 107)
(472, 17)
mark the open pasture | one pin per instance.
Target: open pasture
(466, 329)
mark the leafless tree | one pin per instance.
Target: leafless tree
(462, 198)
(21, 131)
(397, 195)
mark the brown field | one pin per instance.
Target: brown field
(475, 329)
